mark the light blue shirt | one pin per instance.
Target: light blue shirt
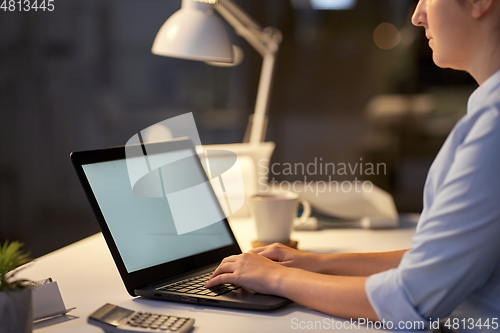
(453, 268)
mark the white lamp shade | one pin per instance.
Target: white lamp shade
(194, 32)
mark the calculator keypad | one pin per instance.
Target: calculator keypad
(157, 322)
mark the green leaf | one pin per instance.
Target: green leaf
(11, 258)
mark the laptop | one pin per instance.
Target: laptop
(155, 260)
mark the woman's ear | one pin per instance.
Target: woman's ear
(480, 7)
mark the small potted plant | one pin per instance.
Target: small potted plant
(15, 296)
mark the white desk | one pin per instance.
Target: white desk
(88, 278)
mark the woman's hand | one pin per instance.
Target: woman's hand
(289, 257)
(345, 264)
(341, 296)
(251, 271)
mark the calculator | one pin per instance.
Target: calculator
(115, 319)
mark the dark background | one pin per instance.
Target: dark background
(83, 77)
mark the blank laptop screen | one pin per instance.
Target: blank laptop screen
(142, 227)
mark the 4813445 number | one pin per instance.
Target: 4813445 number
(27, 5)
(471, 323)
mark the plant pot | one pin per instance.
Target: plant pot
(16, 314)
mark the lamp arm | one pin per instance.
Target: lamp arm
(258, 123)
(239, 14)
(263, 40)
(266, 42)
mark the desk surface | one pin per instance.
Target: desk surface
(88, 278)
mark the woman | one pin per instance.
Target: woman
(454, 265)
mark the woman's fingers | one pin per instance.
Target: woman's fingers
(224, 268)
(220, 279)
(272, 247)
(226, 260)
(274, 252)
(232, 258)
(258, 250)
(222, 273)
(226, 272)
(249, 270)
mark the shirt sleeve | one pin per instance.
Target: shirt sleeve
(457, 245)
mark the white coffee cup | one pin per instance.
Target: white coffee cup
(275, 214)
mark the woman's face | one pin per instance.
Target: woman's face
(446, 25)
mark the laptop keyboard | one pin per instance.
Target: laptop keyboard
(195, 286)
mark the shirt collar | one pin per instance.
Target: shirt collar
(483, 91)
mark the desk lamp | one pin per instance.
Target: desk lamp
(195, 32)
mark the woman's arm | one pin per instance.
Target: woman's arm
(341, 296)
(346, 264)
(359, 264)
